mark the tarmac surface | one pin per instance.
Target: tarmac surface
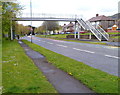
(108, 43)
(62, 82)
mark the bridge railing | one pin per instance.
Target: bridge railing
(46, 15)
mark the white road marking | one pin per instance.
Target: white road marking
(20, 42)
(83, 50)
(49, 43)
(61, 45)
(113, 56)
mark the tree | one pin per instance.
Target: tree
(9, 10)
(20, 29)
(50, 25)
(40, 30)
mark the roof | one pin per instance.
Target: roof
(115, 16)
(100, 18)
(70, 25)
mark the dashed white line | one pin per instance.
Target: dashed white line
(49, 43)
(83, 50)
(61, 45)
(112, 56)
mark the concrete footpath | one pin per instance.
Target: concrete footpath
(62, 82)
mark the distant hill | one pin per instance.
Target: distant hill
(115, 16)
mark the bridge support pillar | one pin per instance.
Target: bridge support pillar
(75, 29)
(90, 36)
(79, 29)
(78, 35)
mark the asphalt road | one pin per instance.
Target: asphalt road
(101, 57)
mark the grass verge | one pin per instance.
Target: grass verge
(19, 73)
(63, 35)
(116, 37)
(95, 79)
(0, 68)
(57, 38)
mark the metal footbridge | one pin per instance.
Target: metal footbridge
(43, 19)
(99, 33)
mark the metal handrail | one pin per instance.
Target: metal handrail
(94, 31)
(102, 31)
(83, 24)
(45, 15)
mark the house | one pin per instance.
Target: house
(116, 17)
(103, 21)
(68, 28)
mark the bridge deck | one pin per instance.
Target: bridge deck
(43, 19)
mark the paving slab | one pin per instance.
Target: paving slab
(61, 81)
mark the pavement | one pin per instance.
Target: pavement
(101, 57)
(62, 82)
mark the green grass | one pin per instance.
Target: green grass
(62, 35)
(58, 36)
(113, 32)
(43, 36)
(0, 68)
(20, 75)
(116, 37)
(95, 79)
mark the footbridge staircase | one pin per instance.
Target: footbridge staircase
(99, 33)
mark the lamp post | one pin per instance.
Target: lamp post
(31, 17)
(11, 28)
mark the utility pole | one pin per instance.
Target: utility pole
(31, 18)
(11, 31)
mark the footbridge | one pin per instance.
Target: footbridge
(46, 17)
(43, 19)
(99, 33)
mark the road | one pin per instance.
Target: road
(102, 57)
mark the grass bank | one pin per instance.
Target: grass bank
(95, 79)
(19, 73)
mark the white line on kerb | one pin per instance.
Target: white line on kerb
(49, 43)
(113, 56)
(83, 50)
(61, 45)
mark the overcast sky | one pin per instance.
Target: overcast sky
(85, 8)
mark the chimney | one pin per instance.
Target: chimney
(97, 15)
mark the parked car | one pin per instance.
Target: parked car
(67, 32)
(74, 32)
(61, 32)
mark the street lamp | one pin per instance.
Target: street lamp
(11, 28)
(31, 17)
